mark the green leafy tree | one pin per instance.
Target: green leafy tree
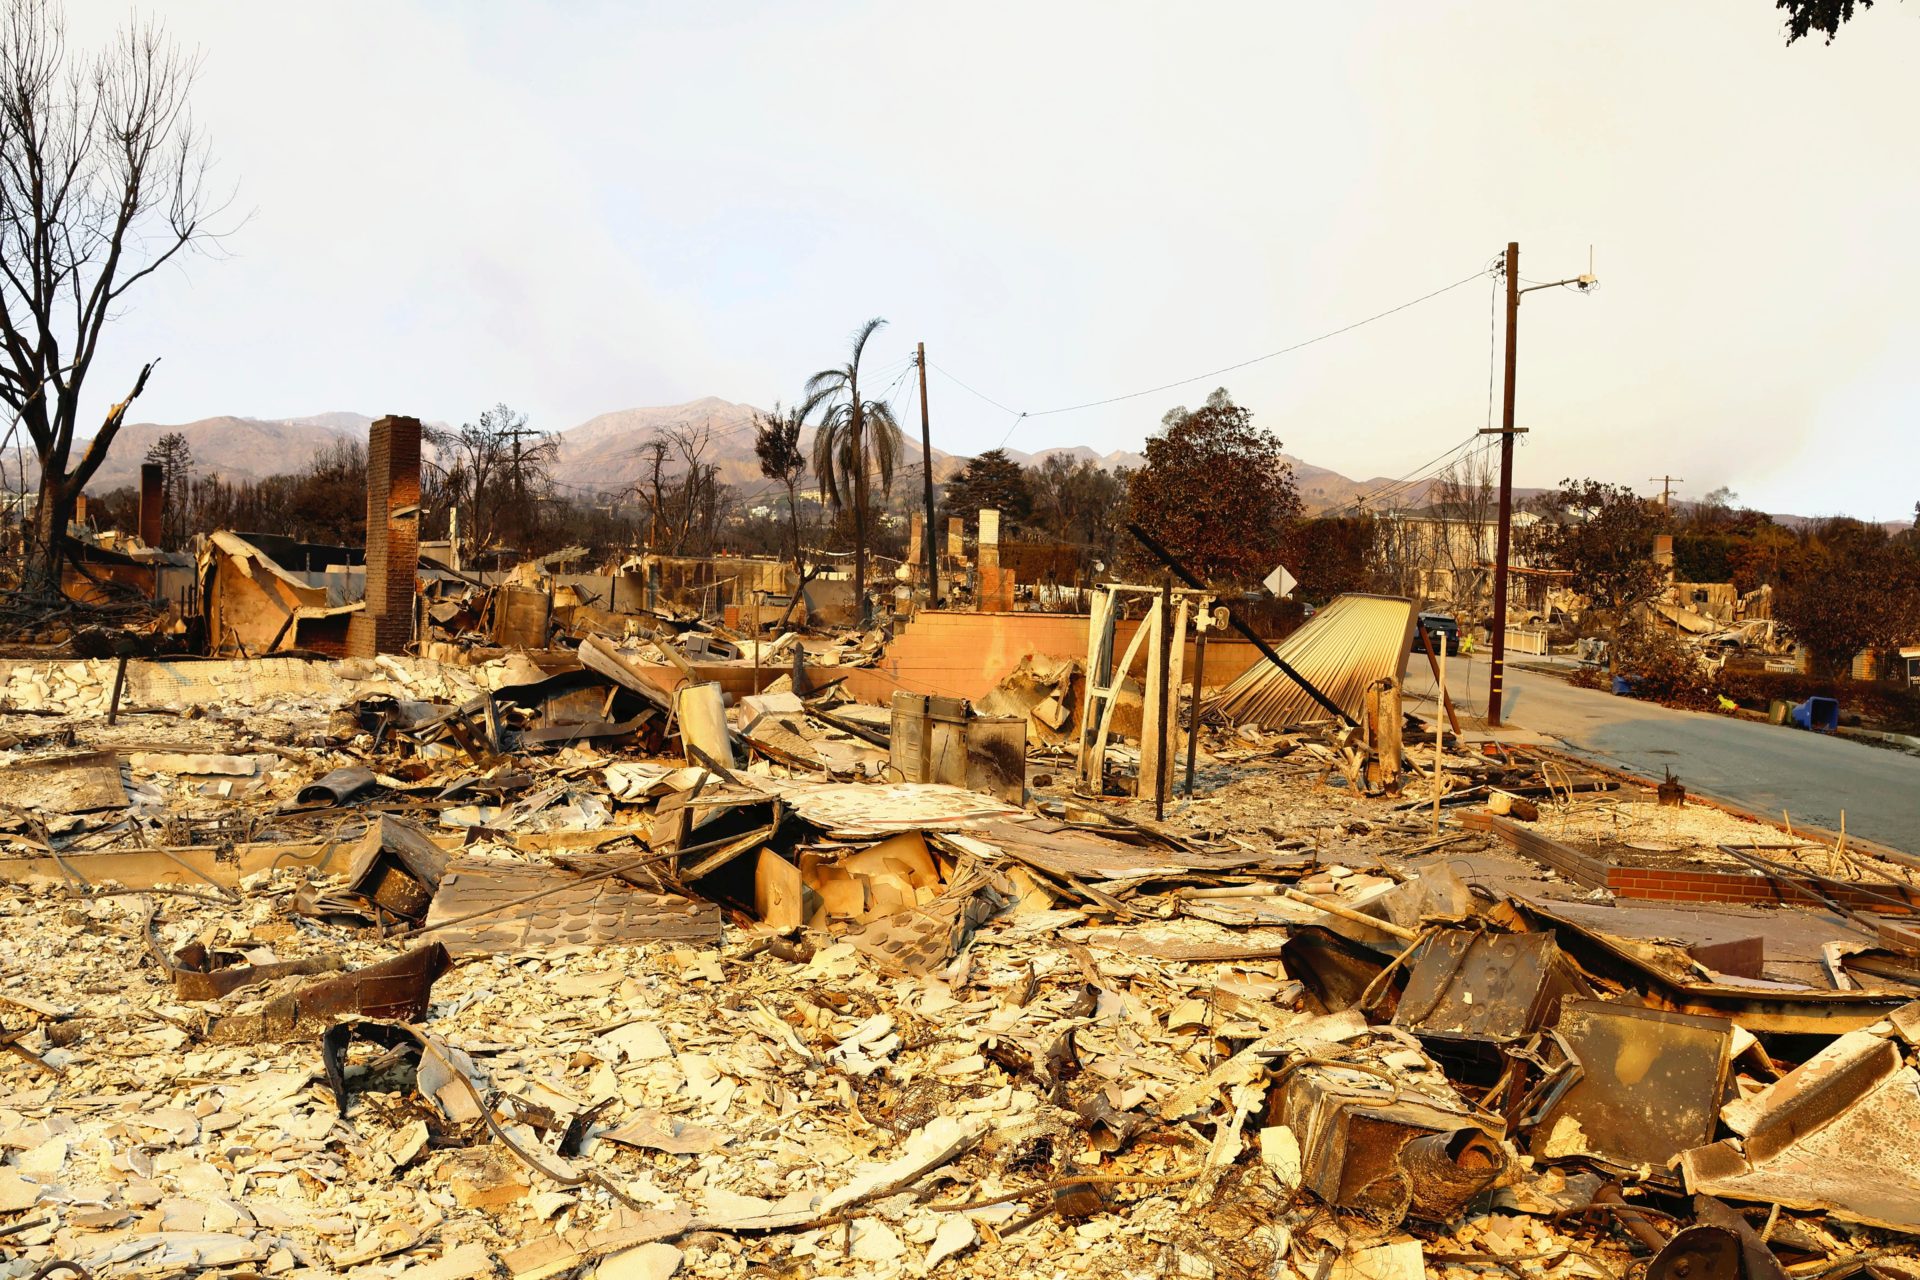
(1081, 503)
(992, 480)
(1804, 17)
(857, 441)
(1602, 535)
(1216, 492)
(1848, 586)
(1332, 555)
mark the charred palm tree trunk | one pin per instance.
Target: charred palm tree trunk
(859, 453)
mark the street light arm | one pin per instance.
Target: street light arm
(1583, 283)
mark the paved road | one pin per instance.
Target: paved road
(1761, 767)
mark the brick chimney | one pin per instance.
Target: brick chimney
(393, 539)
(153, 503)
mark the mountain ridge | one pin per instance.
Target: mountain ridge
(604, 454)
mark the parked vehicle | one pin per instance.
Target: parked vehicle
(1444, 631)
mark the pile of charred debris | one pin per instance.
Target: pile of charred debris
(565, 964)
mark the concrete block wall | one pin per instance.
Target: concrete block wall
(964, 655)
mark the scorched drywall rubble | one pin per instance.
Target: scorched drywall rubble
(540, 999)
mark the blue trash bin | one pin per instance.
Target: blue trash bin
(1623, 686)
(1822, 715)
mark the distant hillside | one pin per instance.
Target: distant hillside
(1320, 489)
(605, 453)
(234, 448)
(1080, 453)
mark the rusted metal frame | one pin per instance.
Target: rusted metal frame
(1825, 1013)
(1554, 1081)
(393, 990)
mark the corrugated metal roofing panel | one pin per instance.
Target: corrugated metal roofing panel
(1344, 648)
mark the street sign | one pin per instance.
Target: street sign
(1280, 583)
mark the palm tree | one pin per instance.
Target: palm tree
(855, 437)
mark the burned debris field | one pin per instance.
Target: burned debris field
(642, 940)
(959, 642)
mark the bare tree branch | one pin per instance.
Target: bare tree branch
(103, 180)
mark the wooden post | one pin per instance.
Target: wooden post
(1426, 638)
(1439, 733)
(1199, 667)
(1383, 733)
(119, 682)
(1161, 771)
(756, 643)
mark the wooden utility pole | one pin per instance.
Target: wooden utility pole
(1507, 431)
(1503, 544)
(1666, 484)
(1438, 727)
(926, 457)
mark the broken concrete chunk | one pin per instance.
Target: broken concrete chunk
(642, 1262)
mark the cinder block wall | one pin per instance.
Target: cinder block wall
(964, 655)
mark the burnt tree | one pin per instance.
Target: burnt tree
(1216, 492)
(102, 180)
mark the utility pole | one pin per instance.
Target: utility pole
(519, 484)
(926, 457)
(1666, 484)
(1503, 543)
(1507, 431)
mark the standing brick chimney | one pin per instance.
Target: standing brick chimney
(393, 539)
(153, 504)
(995, 592)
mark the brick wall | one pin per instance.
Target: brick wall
(1668, 884)
(393, 538)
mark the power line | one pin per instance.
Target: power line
(1493, 345)
(970, 391)
(1201, 377)
(1411, 478)
(1397, 487)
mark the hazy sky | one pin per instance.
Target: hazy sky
(580, 207)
